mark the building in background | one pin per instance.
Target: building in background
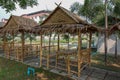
(3, 20)
(38, 16)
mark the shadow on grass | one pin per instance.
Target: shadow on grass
(113, 64)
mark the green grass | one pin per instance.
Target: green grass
(12, 70)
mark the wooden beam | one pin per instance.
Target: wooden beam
(4, 41)
(68, 65)
(79, 52)
(90, 41)
(41, 50)
(48, 55)
(58, 48)
(58, 43)
(13, 42)
(68, 41)
(23, 44)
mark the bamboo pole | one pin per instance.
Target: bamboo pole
(90, 41)
(40, 50)
(79, 52)
(68, 65)
(4, 44)
(13, 44)
(68, 41)
(4, 41)
(23, 44)
(58, 48)
(48, 55)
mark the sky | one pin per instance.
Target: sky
(42, 5)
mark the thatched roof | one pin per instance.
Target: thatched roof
(62, 16)
(61, 20)
(114, 28)
(17, 23)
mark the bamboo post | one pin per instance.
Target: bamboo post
(36, 50)
(4, 41)
(23, 44)
(90, 41)
(68, 41)
(79, 52)
(41, 50)
(68, 65)
(13, 50)
(58, 48)
(48, 55)
(17, 57)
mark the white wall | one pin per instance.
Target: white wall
(111, 44)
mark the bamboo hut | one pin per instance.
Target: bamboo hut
(1, 27)
(62, 21)
(16, 25)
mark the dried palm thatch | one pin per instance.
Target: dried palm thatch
(114, 28)
(65, 28)
(62, 21)
(17, 23)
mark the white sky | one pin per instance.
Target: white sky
(43, 5)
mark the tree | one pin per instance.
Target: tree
(31, 37)
(94, 11)
(10, 5)
(89, 9)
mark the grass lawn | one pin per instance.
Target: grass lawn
(12, 70)
(112, 64)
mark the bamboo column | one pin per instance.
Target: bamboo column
(58, 48)
(4, 41)
(68, 41)
(41, 50)
(23, 44)
(13, 46)
(48, 55)
(90, 40)
(79, 53)
(68, 65)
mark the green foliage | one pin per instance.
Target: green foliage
(66, 37)
(30, 37)
(10, 5)
(89, 9)
(94, 11)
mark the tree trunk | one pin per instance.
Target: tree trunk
(106, 27)
(116, 47)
